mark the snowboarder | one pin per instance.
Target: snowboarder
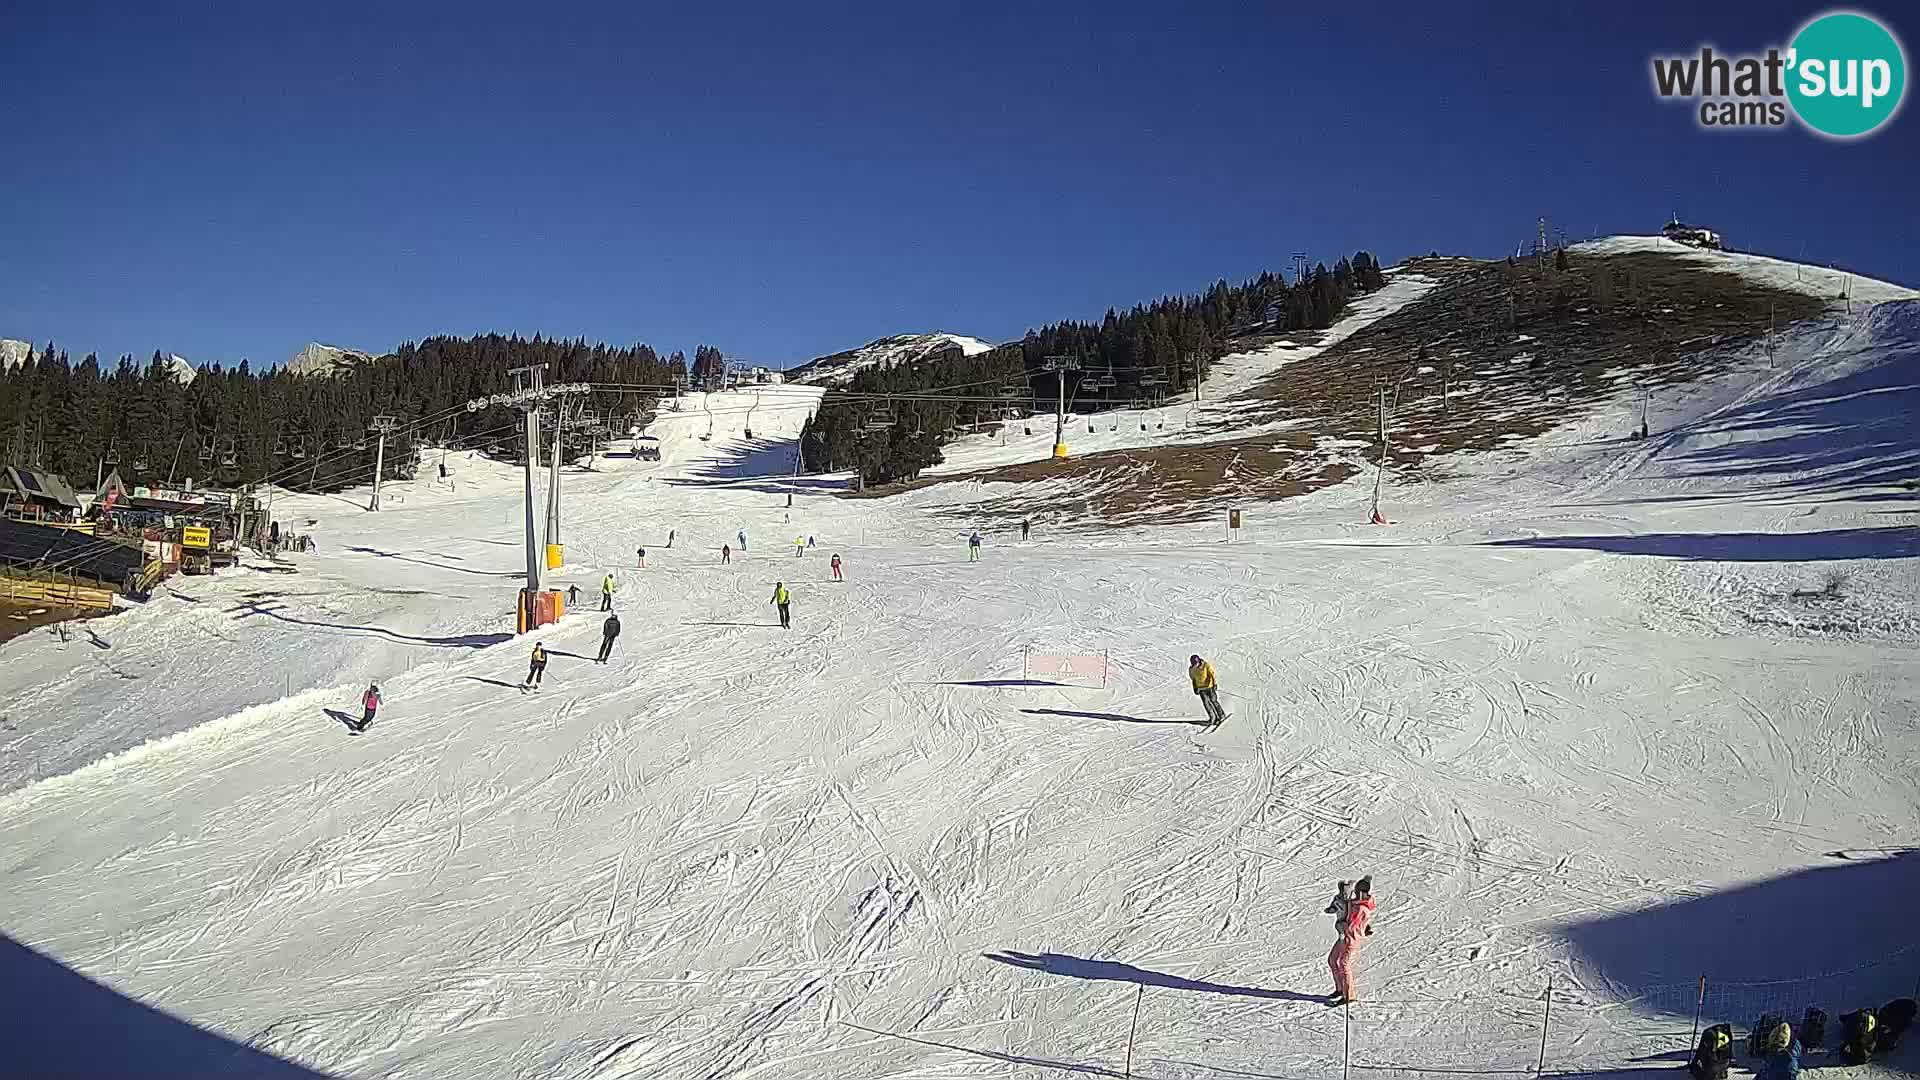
(1026, 527)
(836, 567)
(642, 554)
(606, 593)
(1359, 913)
(538, 666)
(609, 630)
(369, 704)
(1206, 686)
(726, 554)
(973, 546)
(780, 600)
(669, 539)
(799, 546)
(743, 541)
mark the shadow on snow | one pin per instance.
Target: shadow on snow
(1764, 944)
(58, 1022)
(462, 641)
(1120, 717)
(1884, 543)
(364, 550)
(1074, 967)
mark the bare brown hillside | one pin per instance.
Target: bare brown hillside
(1496, 351)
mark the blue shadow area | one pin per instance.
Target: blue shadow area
(1887, 543)
(59, 1023)
(1839, 937)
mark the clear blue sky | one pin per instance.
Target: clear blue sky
(228, 180)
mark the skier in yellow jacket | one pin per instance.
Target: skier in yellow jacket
(1207, 686)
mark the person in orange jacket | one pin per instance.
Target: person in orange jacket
(1353, 918)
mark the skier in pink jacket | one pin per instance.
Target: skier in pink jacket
(369, 704)
(1353, 916)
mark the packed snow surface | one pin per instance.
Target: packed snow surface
(1592, 714)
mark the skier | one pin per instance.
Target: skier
(780, 600)
(606, 592)
(538, 667)
(573, 594)
(743, 541)
(809, 541)
(1025, 528)
(369, 704)
(799, 546)
(609, 630)
(669, 539)
(973, 546)
(836, 567)
(726, 554)
(1359, 913)
(1206, 685)
(642, 553)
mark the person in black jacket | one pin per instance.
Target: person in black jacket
(609, 630)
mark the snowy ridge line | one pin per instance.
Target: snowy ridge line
(24, 797)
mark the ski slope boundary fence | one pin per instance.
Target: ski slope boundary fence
(1557, 1030)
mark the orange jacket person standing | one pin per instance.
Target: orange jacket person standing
(1353, 926)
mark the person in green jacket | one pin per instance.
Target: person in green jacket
(780, 600)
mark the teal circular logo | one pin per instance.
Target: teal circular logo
(1846, 74)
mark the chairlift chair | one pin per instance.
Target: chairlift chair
(206, 450)
(360, 443)
(140, 459)
(298, 451)
(112, 455)
(230, 456)
(1106, 382)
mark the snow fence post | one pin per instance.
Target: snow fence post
(1346, 1048)
(1025, 669)
(1546, 1017)
(1140, 991)
(1699, 1004)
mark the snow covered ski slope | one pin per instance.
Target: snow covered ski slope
(1595, 712)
